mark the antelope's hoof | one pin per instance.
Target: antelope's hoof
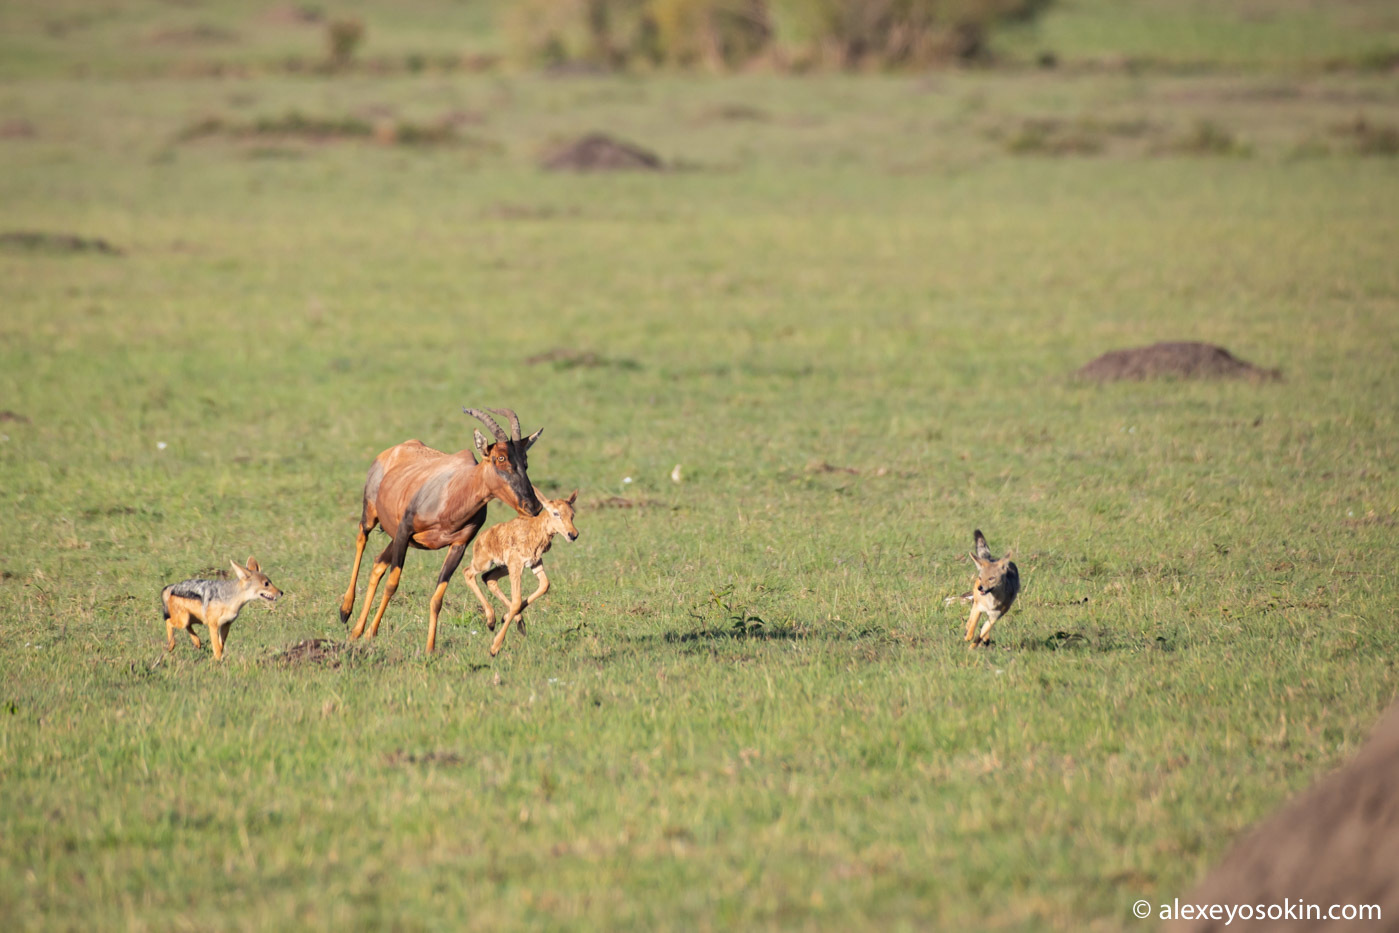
(344, 615)
(520, 625)
(490, 625)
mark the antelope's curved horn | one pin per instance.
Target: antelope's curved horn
(514, 421)
(488, 421)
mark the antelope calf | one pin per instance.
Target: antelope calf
(512, 546)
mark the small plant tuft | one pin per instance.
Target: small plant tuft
(343, 39)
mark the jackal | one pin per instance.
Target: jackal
(214, 603)
(510, 547)
(995, 588)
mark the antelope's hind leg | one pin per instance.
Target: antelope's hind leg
(485, 603)
(368, 519)
(492, 578)
(516, 601)
(397, 552)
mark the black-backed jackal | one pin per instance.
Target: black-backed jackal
(995, 588)
(214, 603)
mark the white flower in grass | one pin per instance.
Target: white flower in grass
(161, 445)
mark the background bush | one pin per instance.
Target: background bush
(726, 34)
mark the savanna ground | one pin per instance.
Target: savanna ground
(851, 315)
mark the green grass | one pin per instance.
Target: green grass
(861, 272)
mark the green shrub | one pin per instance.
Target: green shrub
(729, 33)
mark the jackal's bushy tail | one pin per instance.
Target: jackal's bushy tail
(983, 550)
(165, 602)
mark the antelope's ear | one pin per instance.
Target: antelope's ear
(239, 570)
(529, 441)
(252, 564)
(481, 443)
(573, 497)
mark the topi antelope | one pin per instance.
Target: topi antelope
(510, 547)
(428, 499)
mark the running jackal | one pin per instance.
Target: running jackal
(997, 583)
(214, 603)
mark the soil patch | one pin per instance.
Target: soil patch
(1184, 360)
(197, 35)
(400, 757)
(598, 152)
(14, 416)
(1336, 843)
(313, 651)
(17, 129)
(621, 502)
(565, 358)
(312, 129)
(37, 242)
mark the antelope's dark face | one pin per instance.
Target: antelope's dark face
(508, 475)
(506, 461)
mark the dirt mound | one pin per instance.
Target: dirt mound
(597, 152)
(1337, 843)
(36, 242)
(1185, 360)
(313, 651)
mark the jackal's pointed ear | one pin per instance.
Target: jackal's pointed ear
(573, 497)
(1005, 560)
(529, 441)
(975, 560)
(481, 443)
(239, 570)
(252, 564)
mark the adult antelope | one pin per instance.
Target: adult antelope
(428, 499)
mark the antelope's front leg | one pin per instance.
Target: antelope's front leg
(449, 567)
(543, 579)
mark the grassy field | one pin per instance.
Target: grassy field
(851, 315)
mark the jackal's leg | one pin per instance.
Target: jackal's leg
(485, 603)
(985, 636)
(366, 525)
(449, 567)
(397, 552)
(180, 618)
(543, 588)
(516, 600)
(216, 639)
(492, 578)
(223, 633)
(971, 622)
